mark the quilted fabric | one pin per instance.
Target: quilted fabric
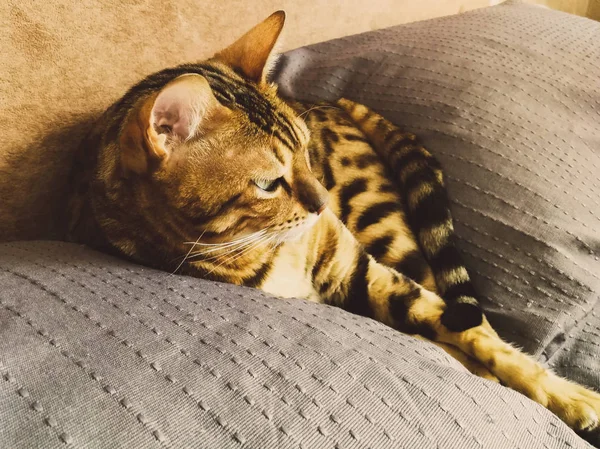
(99, 353)
(508, 99)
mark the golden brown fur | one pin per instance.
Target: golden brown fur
(203, 169)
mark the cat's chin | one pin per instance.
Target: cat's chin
(294, 235)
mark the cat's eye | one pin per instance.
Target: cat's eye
(268, 185)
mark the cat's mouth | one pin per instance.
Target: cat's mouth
(298, 230)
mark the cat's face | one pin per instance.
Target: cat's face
(222, 170)
(236, 179)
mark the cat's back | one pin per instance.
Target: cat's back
(363, 193)
(345, 162)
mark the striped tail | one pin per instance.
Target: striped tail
(427, 207)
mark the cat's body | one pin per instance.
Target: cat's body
(204, 170)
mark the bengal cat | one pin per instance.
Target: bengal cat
(203, 169)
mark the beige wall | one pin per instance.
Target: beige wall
(313, 21)
(64, 60)
(579, 7)
(330, 19)
(594, 9)
(317, 20)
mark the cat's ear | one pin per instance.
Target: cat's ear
(184, 108)
(253, 53)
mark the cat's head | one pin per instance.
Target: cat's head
(209, 149)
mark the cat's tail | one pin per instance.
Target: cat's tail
(420, 180)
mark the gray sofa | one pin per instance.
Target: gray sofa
(96, 352)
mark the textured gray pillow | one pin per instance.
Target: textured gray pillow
(508, 99)
(96, 352)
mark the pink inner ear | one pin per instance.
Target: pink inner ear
(174, 109)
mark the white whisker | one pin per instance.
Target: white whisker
(317, 107)
(241, 239)
(187, 255)
(236, 247)
(233, 246)
(262, 240)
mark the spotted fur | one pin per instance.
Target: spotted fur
(203, 169)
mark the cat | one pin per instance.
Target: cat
(203, 169)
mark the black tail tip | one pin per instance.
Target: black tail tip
(461, 316)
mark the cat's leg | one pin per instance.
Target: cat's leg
(576, 405)
(346, 276)
(474, 366)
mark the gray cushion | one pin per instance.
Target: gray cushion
(96, 352)
(508, 99)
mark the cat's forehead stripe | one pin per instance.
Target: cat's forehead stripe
(232, 89)
(278, 155)
(229, 88)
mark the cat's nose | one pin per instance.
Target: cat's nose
(318, 208)
(312, 195)
(318, 203)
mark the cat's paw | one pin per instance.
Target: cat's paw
(577, 406)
